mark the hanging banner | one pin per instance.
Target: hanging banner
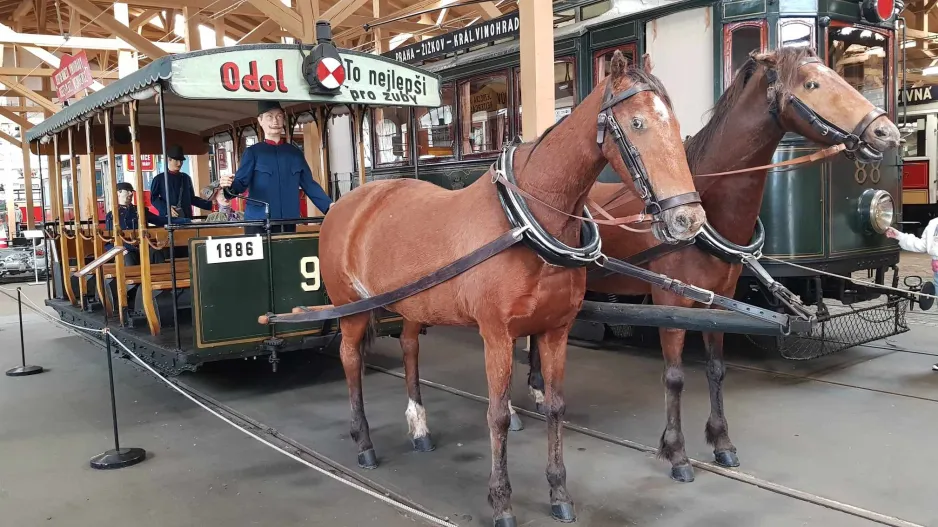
(72, 76)
(277, 73)
(483, 31)
(147, 163)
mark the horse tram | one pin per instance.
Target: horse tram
(532, 228)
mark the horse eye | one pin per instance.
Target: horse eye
(811, 85)
(638, 123)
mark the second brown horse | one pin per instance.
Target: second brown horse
(746, 127)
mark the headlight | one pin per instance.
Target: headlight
(877, 210)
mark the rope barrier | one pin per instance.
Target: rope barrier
(851, 279)
(108, 334)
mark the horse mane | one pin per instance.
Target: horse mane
(785, 60)
(636, 75)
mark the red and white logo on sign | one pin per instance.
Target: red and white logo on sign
(330, 72)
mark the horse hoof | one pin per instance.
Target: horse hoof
(682, 473)
(424, 444)
(540, 408)
(506, 521)
(726, 458)
(368, 459)
(563, 512)
(516, 424)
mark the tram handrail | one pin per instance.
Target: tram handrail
(245, 223)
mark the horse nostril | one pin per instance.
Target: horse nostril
(881, 132)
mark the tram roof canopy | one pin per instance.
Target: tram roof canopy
(206, 89)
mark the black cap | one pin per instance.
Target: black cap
(175, 152)
(266, 106)
(123, 185)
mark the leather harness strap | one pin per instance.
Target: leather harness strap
(317, 313)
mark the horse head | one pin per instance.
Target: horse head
(640, 138)
(808, 98)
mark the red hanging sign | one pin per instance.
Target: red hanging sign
(147, 163)
(72, 76)
(221, 158)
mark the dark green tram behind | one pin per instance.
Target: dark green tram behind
(820, 216)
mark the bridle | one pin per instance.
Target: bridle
(852, 141)
(631, 157)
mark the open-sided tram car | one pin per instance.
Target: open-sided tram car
(820, 215)
(204, 306)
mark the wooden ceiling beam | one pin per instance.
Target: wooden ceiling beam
(22, 9)
(144, 18)
(11, 139)
(16, 118)
(283, 15)
(342, 10)
(29, 94)
(309, 14)
(488, 10)
(107, 21)
(259, 33)
(47, 72)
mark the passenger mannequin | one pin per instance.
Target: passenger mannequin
(127, 215)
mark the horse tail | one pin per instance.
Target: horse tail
(371, 332)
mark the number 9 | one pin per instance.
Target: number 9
(310, 274)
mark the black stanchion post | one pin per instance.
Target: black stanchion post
(22, 371)
(118, 457)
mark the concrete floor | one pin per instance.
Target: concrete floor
(854, 427)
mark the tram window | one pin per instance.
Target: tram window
(483, 107)
(796, 32)
(914, 133)
(564, 89)
(392, 134)
(594, 10)
(861, 57)
(739, 40)
(603, 58)
(435, 127)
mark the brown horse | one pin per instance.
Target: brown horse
(388, 233)
(747, 124)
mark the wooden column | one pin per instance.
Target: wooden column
(90, 192)
(146, 281)
(359, 116)
(113, 206)
(11, 203)
(27, 182)
(323, 122)
(312, 150)
(76, 215)
(127, 61)
(64, 246)
(537, 70)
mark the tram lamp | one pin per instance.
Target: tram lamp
(877, 210)
(322, 68)
(878, 11)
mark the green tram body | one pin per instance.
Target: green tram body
(219, 299)
(810, 213)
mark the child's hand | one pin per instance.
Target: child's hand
(892, 233)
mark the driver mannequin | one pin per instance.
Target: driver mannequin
(272, 171)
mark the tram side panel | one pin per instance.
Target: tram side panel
(234, 279)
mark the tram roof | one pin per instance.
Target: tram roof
(206, 89)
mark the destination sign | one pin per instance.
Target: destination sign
(277, 74)
(920, 95)
(485, 31)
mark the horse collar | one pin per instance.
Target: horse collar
(545, 244)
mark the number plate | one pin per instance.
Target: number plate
(224, 250)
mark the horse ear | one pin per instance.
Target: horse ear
(646, 63)
(762, 58)
(619, 64)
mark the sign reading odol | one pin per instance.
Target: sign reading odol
(271, 73)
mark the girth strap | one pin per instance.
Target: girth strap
(437, 277)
